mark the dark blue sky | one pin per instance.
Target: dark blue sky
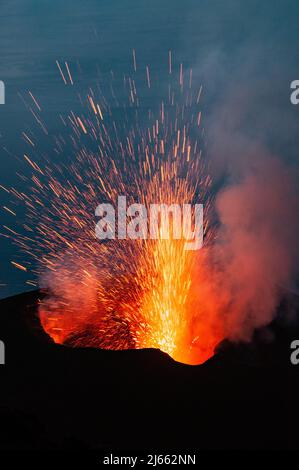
(246, 54)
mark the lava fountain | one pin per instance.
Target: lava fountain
(122, 294)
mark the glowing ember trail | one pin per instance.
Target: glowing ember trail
(122, 294)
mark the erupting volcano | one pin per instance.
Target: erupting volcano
(120, 294)
(149, 293)
(135, 293)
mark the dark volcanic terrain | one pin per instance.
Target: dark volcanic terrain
(56, 397)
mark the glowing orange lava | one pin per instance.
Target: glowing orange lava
(145, 294)
(123, 293)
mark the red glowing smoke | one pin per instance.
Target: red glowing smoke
(257, 248)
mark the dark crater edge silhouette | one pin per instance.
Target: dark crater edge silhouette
(55, 397)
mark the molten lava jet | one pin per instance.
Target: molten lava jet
(139, 293)
(123, 294)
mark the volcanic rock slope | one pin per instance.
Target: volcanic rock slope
(56, 397)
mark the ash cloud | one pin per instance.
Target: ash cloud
(257, 249)
(257, 245)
